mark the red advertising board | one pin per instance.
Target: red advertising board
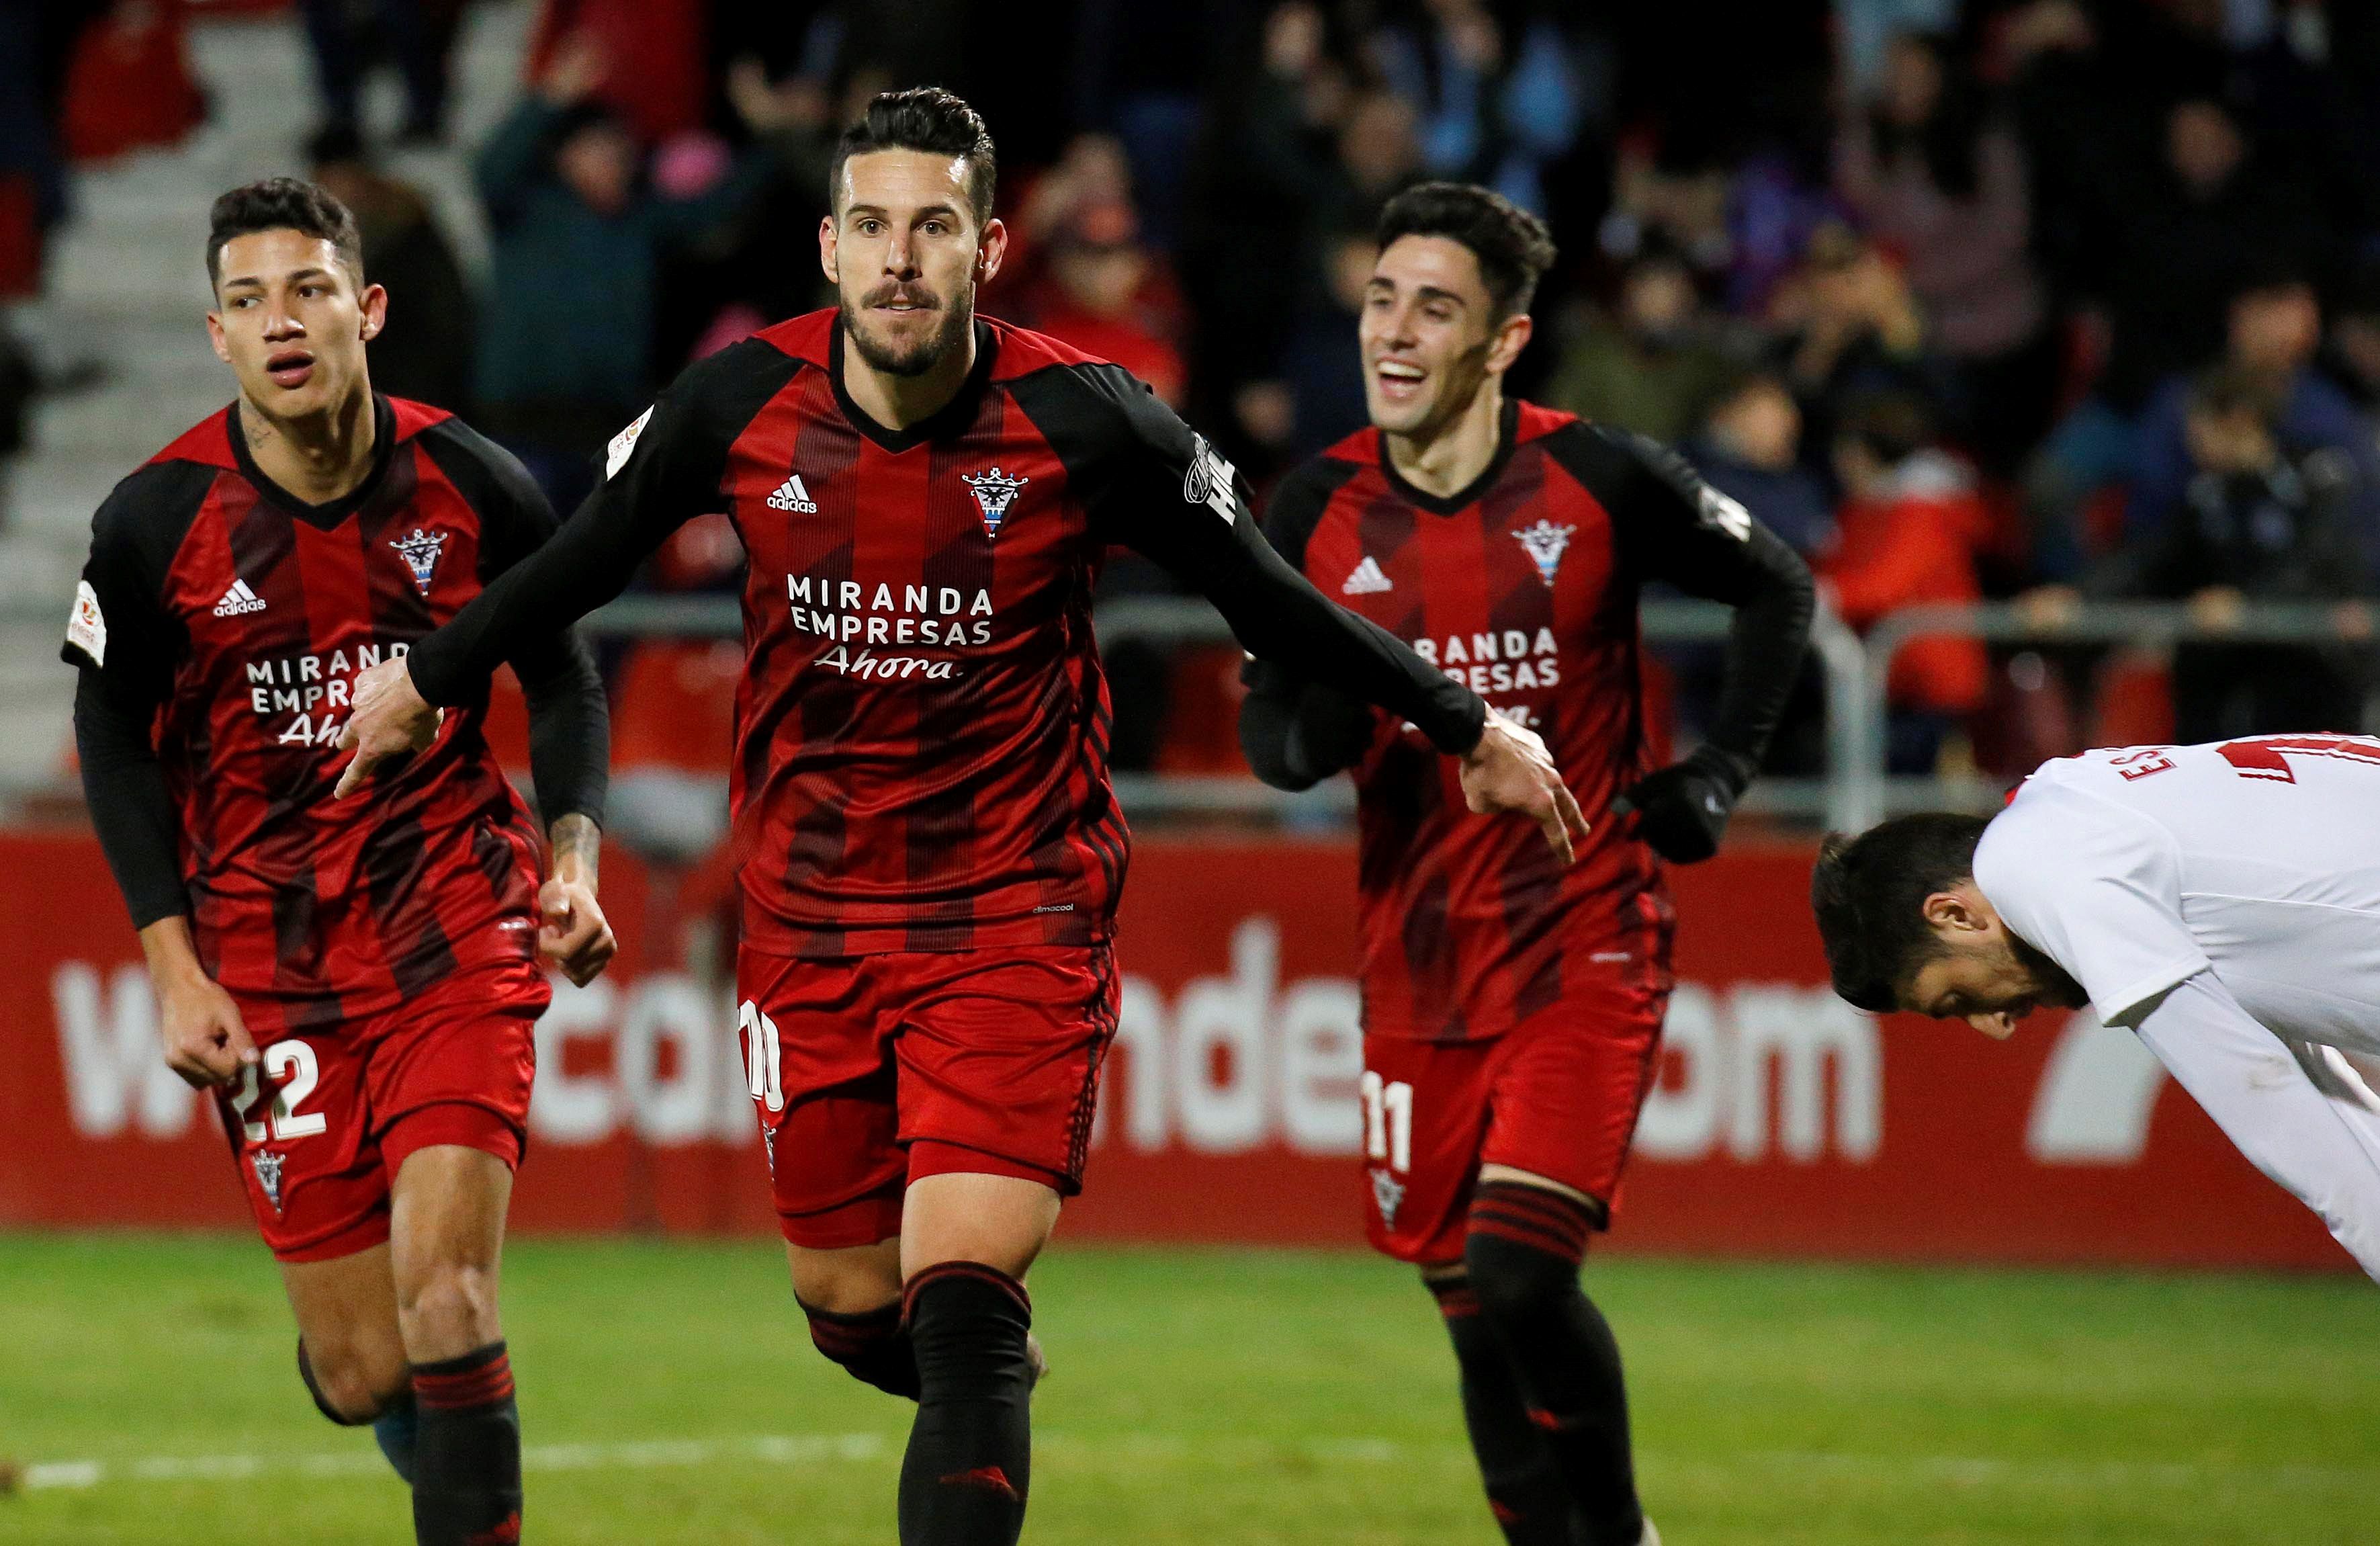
(1785, 1122)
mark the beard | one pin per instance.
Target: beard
(2057, 988)
(907, 359)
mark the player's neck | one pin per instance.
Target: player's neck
(898, 402)
(1446, 458)
(316, 457)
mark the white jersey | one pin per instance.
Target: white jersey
(2137, 868)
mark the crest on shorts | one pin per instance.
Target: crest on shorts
(1388, 1195)
(421, 550)
(994, 492)
(1545, 543)
(268, 1176)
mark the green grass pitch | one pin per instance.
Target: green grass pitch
(1210, 1399)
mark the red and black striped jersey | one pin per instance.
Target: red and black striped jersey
(1522, 587)
(921, 742)
(232, 618)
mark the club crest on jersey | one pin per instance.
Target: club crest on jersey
(268, 1176)
(419, 550)
(1388, 1195)
(1545, 543)
(1208, 481)
(994, 492)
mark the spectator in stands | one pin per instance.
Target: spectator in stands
(1495, 105)
(1907, 532)
(2257, 523)
(425, 354)
(2274, 327)
(1264, 199)
(1748, 447)
(566, 355)
(1324, 370)
(2161, 254)
(1852, 330)
(1655, 365)
(1103, 292)
(1944, 184)
(1380, 154)
(417, 35)
(2351, 350)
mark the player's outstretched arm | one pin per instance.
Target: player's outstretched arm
(660, 473)
(1672, 525)
(1168, 494)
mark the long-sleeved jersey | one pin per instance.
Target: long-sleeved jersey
(1524, 587)
(219, 626)
(921, 741)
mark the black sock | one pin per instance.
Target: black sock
(963, 1480)
(393, 1430)
(1523, 1254)
(1524, 1492)
(467, 1483)
(874, 1346)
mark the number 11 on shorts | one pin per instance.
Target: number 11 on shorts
(1388, 1122)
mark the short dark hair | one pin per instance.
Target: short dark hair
(284, 205)
(922, 118)
(1893, 425)
(1869, 893)
(1514, 247)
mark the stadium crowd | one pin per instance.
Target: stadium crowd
(2052, 299)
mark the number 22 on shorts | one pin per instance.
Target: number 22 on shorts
(292, 1068)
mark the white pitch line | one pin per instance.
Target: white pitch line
(783, 1449)
(798, 1449)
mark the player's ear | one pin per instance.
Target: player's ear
(1511, 337)
(375, 310)
(1952, 912)
(826, 249)
(215, 337)
(990, 252)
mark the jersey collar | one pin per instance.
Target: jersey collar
(325, 516)
(1508, 425)
(953, 417)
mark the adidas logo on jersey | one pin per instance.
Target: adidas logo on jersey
(791, 495)
(1368, 579)
(239, 600)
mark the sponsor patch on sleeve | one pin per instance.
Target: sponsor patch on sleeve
(1719, 510)
(622, 445)
(87, 629)
(1208, 481)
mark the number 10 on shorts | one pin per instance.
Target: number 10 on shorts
(1388, 1122)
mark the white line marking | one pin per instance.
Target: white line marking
(783, 1449)
(801, 1449)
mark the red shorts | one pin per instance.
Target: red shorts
(1556, 1095)
(870, 1071)
(329, 1116)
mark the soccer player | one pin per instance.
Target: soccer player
(931, 851)
(1512, 1007)
(357, 982)
(2220, 901)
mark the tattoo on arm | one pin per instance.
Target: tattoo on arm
(577, 842)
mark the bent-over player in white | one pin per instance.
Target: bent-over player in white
(2222, 901)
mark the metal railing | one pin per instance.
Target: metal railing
(1855, 791)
